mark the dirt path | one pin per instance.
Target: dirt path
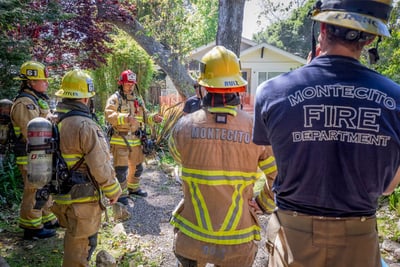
(150, 217)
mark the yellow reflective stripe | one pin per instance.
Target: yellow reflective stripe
(17, 130)
(232, 237)
(235, 211)
(120, 141)
(200, 208)
(48, 218)
(133, 186)
(227, 109)
(121, 119)
(22, 160)
(66, 199)
(139, 118)
(218, 177)
(34, 223)
(63, 110)
(268, 165)
(71, 159)
(111, 190)
(173, 151)
(268, 204)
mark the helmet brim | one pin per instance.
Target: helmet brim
(227, 84)
(26, 79)
(67, 94)
(353, 21)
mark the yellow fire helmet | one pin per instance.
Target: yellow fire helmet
(370, 16)
(220, 72)
(76, 84)
(32, 70)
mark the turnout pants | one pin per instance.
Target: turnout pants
(82, 221)
(132, 161)
(300, 240)
(30, 218)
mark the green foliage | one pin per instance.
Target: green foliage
(180, 25)
(11, 183)
(12, 53)
(394, 201)
(293, 34)
(389, 49)
(127, 55)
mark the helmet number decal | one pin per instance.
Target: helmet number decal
(90, 85)
(30, 72)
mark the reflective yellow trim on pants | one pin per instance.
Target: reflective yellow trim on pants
(121, 142)
(66, 199)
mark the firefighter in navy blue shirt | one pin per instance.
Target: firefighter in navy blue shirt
(194, 103)
(335, 133)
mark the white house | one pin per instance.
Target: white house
(259, 62)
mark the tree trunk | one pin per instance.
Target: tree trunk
(230, 24)
(229, 34)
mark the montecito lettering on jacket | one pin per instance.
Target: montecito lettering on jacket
(221, 134)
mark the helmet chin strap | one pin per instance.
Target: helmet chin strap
(373, 52)
(313, 41)
(316, 8)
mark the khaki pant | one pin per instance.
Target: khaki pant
(30, 218)
(122, 157)
(82, 221)
(302, 240)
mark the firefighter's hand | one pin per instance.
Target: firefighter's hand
(157, 118)
(254, 206)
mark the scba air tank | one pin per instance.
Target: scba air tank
(40, 152)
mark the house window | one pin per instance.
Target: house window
(263, 76)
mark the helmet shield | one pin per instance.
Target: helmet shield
(367, 16)
(127, 76)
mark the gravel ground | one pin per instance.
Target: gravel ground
(150, 217)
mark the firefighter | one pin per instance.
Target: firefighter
(126, 113)
(336, 140)
(31, 102)
(194, 102)
(216, 221)
(85, 150)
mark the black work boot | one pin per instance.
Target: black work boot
(139, 192)
(49, 225)
(124, 200)
(30, 234)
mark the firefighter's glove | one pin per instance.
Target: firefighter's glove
(157, 118)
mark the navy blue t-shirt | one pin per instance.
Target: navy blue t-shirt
(334, 126)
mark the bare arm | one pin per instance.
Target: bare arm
(393, 184)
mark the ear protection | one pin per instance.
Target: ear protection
(349, 34)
